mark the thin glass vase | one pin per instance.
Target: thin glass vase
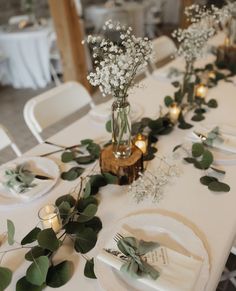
(189, 82)
(121, 128)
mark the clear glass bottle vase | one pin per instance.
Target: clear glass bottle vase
(121, 128)
(189, 82)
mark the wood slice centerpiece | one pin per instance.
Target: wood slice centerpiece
(226, 54)
(127, 169)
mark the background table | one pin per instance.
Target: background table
(28, 57)
(211, 215)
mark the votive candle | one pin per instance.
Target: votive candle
(174, 112)
(141, 142)
(50, 217)
(201, 91)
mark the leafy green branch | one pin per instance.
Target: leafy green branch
(202, 159)
(80, 225)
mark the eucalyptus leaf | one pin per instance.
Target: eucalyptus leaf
(176, 84)
(67, 157)
(207, 159)
(110, 179)
(94, 149)
(86, 141)
(95, 223)
(200, 111)
(212, 103)
(168, 101)
(84, 160)
(47, 239)
(198, 117)
(60, 274)
(85, 241)
(35, 253)
(197, 150)
(66, 198)
(108, 126)
(10, 232)
(206, 180)
(97, 181)
(31, 236)
(72, 174)
(218, 187)
(89, 269)
(37, 272)
(87, 190)
(88, 213)
(189, 160)
(5, 277)
(64, 209)
(84, 202)
(74, 227)
(24, 285)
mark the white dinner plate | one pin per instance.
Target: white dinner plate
(38, 165)
(102, 112)
(152, 227)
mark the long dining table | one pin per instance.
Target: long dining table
(211, 215)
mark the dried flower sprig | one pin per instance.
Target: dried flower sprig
(116, 64)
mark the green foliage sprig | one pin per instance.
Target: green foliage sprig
(202, 159)
(76, 155)
(80, 225)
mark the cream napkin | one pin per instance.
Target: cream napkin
(177, 272)
(38, 190)
(228, 144)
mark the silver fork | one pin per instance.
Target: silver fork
(118, 237)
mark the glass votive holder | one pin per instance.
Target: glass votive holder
(201, 91)
(174, 112)
(50, 217)
(141, 142)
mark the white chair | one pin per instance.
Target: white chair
(163, 47)
(154, 17)
(14, 20)
(6, 140)
(52, 106)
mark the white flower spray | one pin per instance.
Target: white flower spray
(116, 64)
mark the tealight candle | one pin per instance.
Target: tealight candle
(212, 75)
(201, 91)
(227, 42)
(174, 112)
(50, 217)
(141, 142)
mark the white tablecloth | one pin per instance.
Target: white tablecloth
(212, 214)
(28, 63)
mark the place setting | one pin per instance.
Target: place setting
(26, 179)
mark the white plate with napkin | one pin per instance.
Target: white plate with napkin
(37, 165)
(224, 151)
(188, 260)
(102, 112)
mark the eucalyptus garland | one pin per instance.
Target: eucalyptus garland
(80, 225)
(199, 105)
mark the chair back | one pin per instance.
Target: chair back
(17, 19)
(163, 48)
(6, 141)
(52, 106)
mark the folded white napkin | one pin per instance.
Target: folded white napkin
(30, 194)
(228, 144)
(177, 272)
(169, 75)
